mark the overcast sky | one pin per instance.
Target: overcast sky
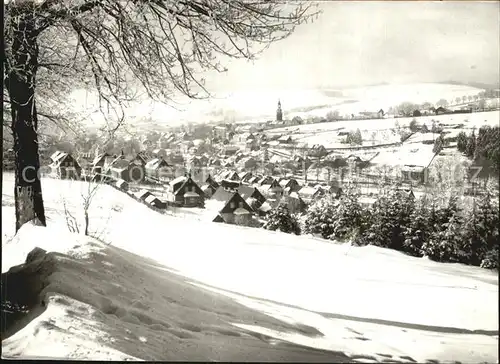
(361, 43)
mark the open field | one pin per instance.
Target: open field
(327, 133)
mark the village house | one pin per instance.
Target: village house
(441, 110)
(414, 174)
(176, 158)
(289, 185)
(98, 164)
(253, 180)
(247, 163)
(157, 169)
(142, 194)
(211, 181)
(222, 195)
(159, 153)
(129, 171)
(208, 190)
(285, 139)
(248, 192)
(155, 202)
(272, 189)
(121, 184)
(268, 206)
(144, 156)
(245, 176)
(236, 211)
(309, 194)
(372, 114)
(294, 203)
(64, 166)
(265, 180)
(184, 191)
(229, 150)
(165, 140)
(229, 184)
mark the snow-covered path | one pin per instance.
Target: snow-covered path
(366, 301)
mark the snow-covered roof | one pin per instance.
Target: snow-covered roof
(265, 207)
(308, 191)
(191, 194)
(241, 211)
(142, 194)
(152, 199)
(155, 163)
(177, 180)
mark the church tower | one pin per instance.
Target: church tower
(279, 112)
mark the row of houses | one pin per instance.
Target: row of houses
(244, 199)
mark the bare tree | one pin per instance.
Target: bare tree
(442, 102)
(77, 216)
(121, 48)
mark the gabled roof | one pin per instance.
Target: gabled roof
(120, 183)
(143, 194)
(248, 191)
(264, 179)
(144, 155)
(265, 207)
(151, 199)
(229, 183)
(284, 182)
(233, 176)
(157, 163)
(176, 182)
(254, 179)
(207, 187)
(100, 157)
(221, 194)
(120, 163)
(308, 192)
(218, 218)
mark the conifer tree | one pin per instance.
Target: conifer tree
(349, 218)
(319, 217)
(462, 142)
(419, 228)
(280, 219)
(471, 145)
(444, 245)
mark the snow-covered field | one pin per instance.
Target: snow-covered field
(470, 121)
(368, 302)
(259, 105)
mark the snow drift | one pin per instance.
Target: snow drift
(368, 303)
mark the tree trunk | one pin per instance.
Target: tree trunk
(20, 81)
(86, 223)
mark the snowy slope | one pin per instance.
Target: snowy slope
(364, 301)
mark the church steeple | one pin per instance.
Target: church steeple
(279, 112)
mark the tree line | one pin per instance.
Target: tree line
(443, 229)
(486, 145)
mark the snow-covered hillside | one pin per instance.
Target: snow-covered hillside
(365, 302)
(260, 104)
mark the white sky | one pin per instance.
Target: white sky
(370, 42)
(363, 43)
